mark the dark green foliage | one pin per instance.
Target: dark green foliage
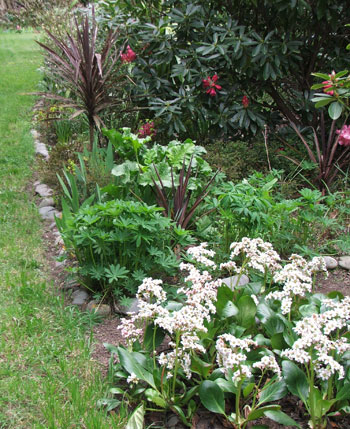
(264, 49)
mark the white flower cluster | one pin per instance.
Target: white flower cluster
(297, 279)
(230, 355)
(200, 254)
(315, 340)
(268, 363)
(132, 379)
(260, 254)
(150, 289)
(187, 322)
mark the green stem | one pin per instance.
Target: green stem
(312, 394)
(238, 400)
(154, 346)
(257, 390)
(176, 366)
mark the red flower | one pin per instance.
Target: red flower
(147, 129)
(210, 83)
(245, 101)
(129, 57)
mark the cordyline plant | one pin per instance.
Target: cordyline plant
(328, 153)
(87, 73)
(176, 205)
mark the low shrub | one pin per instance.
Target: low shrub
(256, 207)
(118, 243)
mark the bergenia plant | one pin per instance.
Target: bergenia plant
(319, 349)
(216, 353)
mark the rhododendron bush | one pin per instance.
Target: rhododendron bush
(238, 350)
(197, 60)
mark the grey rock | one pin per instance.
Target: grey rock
(331, 263)
(47, 202)
(40, 149)
(173, 421)
(48, 213)
(231, 282)
(80, 297)
(59, 241)
(36, 183)
(132, 308)
(102, 310)
(35, 134)
(43, 190)
(59, 264)
(52, 225)
(344, 262)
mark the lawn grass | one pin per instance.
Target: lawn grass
(47, 378)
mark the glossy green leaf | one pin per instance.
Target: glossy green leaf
(273, 392)
(335, 110)
(247, 311)
(281, 418)
(212, 397)
(296, 380)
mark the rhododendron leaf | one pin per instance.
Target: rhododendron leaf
(281, 418)
(136, 420)
(322, 101)
(341, 73)
(296, 380)
(335, 110)
(259, 427)
(212, 397)
(321, 75)
(273, 392)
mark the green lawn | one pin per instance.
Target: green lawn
(47, 378)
